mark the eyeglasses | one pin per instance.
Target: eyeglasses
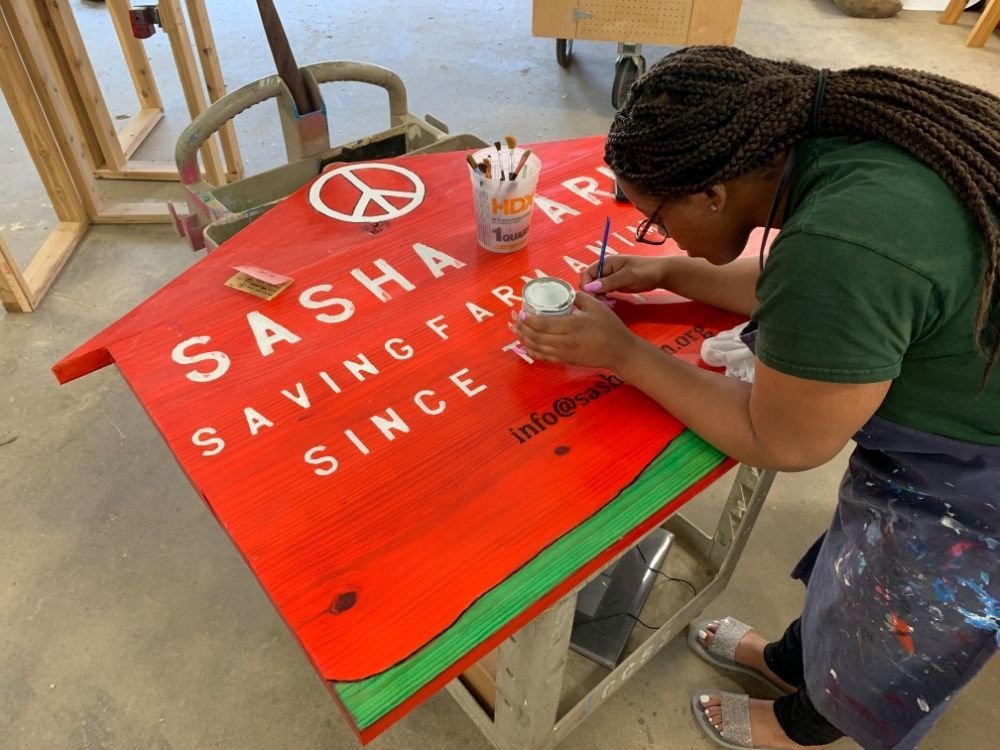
(647, 224)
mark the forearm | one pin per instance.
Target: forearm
(715, 407)
(729, 287)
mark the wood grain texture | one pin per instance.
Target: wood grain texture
(470, 488)
(32, 122)
(204, 40)
(40, 61)
(985, 26)
(80, 82)
(172, 20)
(15, 294)
(135, 58)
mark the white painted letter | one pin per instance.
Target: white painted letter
(388, 274)
(553, 209)
(357, 442)
(404, 352)
(479, 313)
(586, 188)
(419, 401)
(463, 383)
(307, 301)
(331, 383)
(517, 349)
(217, 444)
(435, 260)
(300, 396)
(267, 333)
(180, 356)
(361, 366)
(256, 420)
(506, 295)
(389, 423)
(314, 460)
(437, 326)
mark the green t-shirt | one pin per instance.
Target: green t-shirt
(876, 276)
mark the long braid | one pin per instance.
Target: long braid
(705, 115)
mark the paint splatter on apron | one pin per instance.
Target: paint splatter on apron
(902, 592)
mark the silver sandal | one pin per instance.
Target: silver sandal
(721, 652)
(735, 733)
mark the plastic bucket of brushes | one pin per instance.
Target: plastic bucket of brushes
(503, 193)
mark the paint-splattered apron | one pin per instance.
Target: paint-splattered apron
(902, 591)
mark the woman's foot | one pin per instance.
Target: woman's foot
(749, 653)
(765, 731)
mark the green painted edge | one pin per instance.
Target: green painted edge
(683, 462)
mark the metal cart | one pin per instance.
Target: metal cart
(664, 22)
(216, 212)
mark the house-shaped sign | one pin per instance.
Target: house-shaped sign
(405, 485)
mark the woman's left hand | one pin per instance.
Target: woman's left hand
(593, 336)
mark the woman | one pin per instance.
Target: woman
(876, 317)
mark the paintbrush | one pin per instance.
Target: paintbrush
(499, 159)
(604, 248)
(511, 145)
(520, 164)
(485, 165)
(472, 162)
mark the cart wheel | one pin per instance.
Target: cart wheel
(564, 51)
(627, 71)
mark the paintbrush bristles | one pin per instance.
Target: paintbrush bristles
(496, 144)
(511, 145)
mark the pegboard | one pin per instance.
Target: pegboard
(672, 22)
(633, 20)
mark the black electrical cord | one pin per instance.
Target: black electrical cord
(694, 592)
(685, 581)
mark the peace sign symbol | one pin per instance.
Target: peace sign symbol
(369, 194)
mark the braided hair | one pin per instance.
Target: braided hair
(704, 115)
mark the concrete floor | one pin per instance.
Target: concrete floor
(127, 620)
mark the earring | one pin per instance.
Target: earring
(712, 207)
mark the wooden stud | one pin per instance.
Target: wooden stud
(135, 56)
(14, 292)
(142, 170)
(83, 83)
(214, 83)
(134, 213)
(172, 19)
(52, 256)
(137, 128)
(25, 25)
(953, 12)
(63, 68)
(31, 121)
(987, 23)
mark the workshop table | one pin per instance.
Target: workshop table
(409, 490)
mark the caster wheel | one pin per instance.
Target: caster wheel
(564, 51)
(627, 71)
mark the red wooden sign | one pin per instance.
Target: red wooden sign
(370, 439)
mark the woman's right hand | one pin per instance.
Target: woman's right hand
(625, 273)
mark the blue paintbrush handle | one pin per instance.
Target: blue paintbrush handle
(604, 247)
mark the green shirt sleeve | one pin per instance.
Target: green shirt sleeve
(836, 311)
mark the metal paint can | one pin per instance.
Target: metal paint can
(547, 296)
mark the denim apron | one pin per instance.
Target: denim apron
(902, 591)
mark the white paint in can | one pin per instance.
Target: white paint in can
(547, 296)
